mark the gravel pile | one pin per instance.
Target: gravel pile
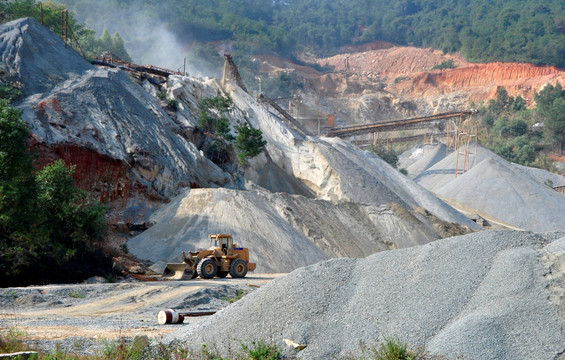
(413, 155)
(429, 159)
(513, 194)
(482, 296)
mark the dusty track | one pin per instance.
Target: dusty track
(71, 314)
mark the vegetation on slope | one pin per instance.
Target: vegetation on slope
(509, 30)
(523, 135)
(48, 227)
(79, 36)
(247, 143)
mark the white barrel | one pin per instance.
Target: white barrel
(169, 316)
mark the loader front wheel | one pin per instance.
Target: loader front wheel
(238, 268)
(207, 268)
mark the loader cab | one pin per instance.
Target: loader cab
(224, 242)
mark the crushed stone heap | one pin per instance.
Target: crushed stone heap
(282, 231)
(488, 295)
(510, 193)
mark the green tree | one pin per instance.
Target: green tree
(17, 184)
(73, 220)
(47, 226)
(554, 124)
(551, 106)
(248, 142)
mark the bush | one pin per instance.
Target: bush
(447, 64)
(172, 104)
(387, 155)
(162, 95)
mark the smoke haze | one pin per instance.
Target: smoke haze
(147, 40)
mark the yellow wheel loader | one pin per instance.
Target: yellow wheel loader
(220, 260)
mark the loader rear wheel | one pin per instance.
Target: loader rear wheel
(238, 268)
(207, 268)
(222, 274)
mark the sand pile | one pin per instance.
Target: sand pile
(480, 296)
(283, 232)
(428, 159)
(513, 194)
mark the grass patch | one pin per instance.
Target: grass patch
(12, 340)
(11, 294)
(77, 294)
(235, 298)
(394, 349)
(260, 350)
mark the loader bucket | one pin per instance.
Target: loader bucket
(179, 271)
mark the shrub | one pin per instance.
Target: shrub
(172, 104)
(447, 64)
(387, 155)
(205, 121)
(162, 95)
(219, 103)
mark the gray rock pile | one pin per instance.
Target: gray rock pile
(488, 295)
(283, 232)
(37, 59)
(345, 202)
(101, 112)
(513, 194)
(427, 160)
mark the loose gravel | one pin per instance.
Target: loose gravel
(86, 318)
(481, 296)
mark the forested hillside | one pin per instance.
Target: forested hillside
(483, 30)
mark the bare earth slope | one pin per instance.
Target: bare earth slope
(482, 296)
(414, 67)
(398, 82)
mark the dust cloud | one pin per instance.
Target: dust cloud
(147, 39)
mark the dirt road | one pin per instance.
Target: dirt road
(74, 316)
